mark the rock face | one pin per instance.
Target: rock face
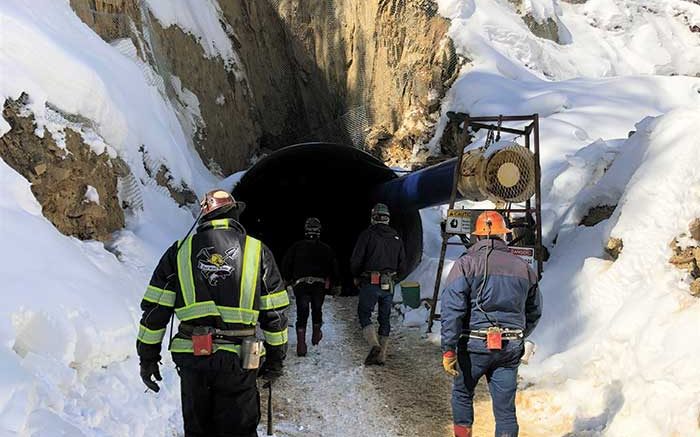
(614, 247)
(597, 214)
(371, 73)
(687, 257)
(337, 70)
(388, 60)
(548, 28)
(76, 187)
(695, 288)
(694, 229)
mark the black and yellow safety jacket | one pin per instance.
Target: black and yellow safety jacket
(218, 277)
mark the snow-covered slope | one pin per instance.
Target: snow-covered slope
(69, 307)
(48, 53)
(618, 341)
(599, 38)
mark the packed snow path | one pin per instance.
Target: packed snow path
(330, 393)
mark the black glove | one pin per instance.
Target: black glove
(270, 370)
(148, 371)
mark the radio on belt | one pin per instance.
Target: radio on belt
(494, 338)
(202, 341)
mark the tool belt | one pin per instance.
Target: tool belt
(384, 279)
(506, 334)
(309, 280)
(221, 336)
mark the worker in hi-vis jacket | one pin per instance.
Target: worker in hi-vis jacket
(220, 283)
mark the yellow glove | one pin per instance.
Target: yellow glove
(449, 363)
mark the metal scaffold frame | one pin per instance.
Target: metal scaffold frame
(531, 135)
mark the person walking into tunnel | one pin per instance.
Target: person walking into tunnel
(220, 283)
(490, 304)
(311, 269)
(377, 261)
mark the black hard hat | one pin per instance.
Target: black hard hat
(312, 226)
(380, 214)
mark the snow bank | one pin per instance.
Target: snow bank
(623, 329)
(67, 323)
(603, 38)
(70, 308)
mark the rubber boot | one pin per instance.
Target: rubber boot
(462, 431)
(317, 335)
(383, 344)
(370, 335)
(301, 342)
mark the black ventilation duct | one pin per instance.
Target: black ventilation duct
(332, 182)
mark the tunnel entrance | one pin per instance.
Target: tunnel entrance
(324, 180)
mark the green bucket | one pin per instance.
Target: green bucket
(410, 294)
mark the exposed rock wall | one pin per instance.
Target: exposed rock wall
(334, 70)
(290, 96)
(60, 177)
(547, 28)
(231, 128)
(686, 255)
(388, 60)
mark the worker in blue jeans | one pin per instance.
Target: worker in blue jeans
(501, 371)
(377, 261)
(490, 305)
(371, 296)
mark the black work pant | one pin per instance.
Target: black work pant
(313, 295)
(217, 403)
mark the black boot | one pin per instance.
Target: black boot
(301, 342)
(316, 335)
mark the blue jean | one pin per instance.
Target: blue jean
(501, 371)
(370, 295)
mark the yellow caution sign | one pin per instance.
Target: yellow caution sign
(459, 221)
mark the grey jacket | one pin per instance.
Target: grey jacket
(509, 298)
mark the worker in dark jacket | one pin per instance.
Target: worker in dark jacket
(376, 263)
(220, 283)
(490, 304)
(310, 267)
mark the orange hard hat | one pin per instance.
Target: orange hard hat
(217, 200)
(490, 223)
